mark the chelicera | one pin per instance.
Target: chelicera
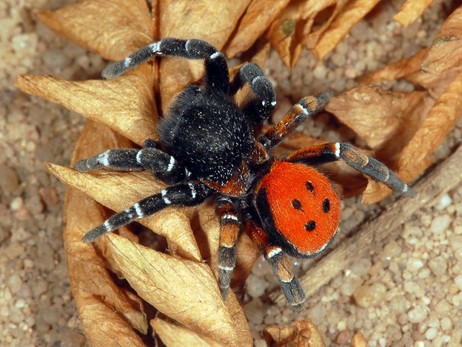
(211, 149)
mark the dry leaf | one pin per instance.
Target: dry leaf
(351, 14)
(441, 119)
(184, 290)
(111, 28)
(411, 10)
(125, 104)
(173, 334)
(257, 18)
(446, 50)
(301, 334)
(284, 34)
(381, 118)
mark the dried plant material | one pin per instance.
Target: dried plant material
(86, 23)
(184, 290)
(126, 104)
(318, 16)
(397, 70)
(380, 117)
(107, 188)
(284, 34)
(441, 119)
(358, 340)
(411, 10)
(302, 334)
(257, 18)
(351, 14)
(446, 50)
(197, 18)
(98, 298)
(173, 334)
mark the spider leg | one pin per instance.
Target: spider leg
(183, 194)
(161, 164)
(263, 102)
(216, 68)
(230, 227)
(369, 166)
(300, 112)
(282, 267)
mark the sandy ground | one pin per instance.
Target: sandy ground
(409, 294)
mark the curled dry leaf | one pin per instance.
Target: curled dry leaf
(256, 20)
(184, 290)
(411, 10)
(441, 119)
(173, 334)
(101, 303)
(446, 50)
(87, 24)
(125, 104)
(301, 334)
(351, 14)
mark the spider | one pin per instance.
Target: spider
(210, 149)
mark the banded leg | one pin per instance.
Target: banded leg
(216, 68)
(306, 107)
(149, 158)
(260, 107)
(230, 227)
(369, 166)
(183, 194)
(282, 267)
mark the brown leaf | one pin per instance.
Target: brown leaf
(125, 104)
(98, 298)
(284, 34)
(107, 188)
(173, 334)
(256, 20)
(446, 50)
(301, 334)
(441, 119)
(411, 10)
(184, 290)
(380, 117)
(111, 28)
(351, 14)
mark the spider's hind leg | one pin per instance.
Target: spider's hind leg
(282, 267)
(161, 164)
(183, 194)
(230, 227)
(353, 157)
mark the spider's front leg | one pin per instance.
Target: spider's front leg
(230, 227)
(216, 68)
(369, 166)
(259, 107)
(282, 267)
(183, 194)
(161, 164)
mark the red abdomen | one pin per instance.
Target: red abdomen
(298, 207)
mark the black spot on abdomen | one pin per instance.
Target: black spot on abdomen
(310, 225)
(326, 205)
(309, 186)
(296, 204)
